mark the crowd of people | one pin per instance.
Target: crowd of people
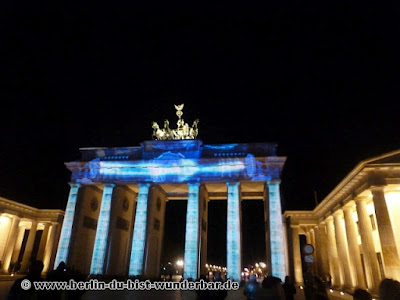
(272, 288)
(61, 273)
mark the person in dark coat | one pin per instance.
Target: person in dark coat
(288, 288)
(251, 287)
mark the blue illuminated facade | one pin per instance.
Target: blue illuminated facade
(100, 244)
(191, 256)
(172, 162)
(65, 237)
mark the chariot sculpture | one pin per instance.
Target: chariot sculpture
(182, 132)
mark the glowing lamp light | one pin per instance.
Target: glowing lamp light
(301, 287)
(179, 263)
(330, 290)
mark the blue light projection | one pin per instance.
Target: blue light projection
(100, 244)
(65, 236)
(233, 237)
(192, 233)
(139, 231)
(176, 170)
(278, 262)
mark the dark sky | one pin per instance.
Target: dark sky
(320, 78)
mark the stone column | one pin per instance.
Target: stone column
(354, 249)
(341, 240)
(29, 247)
(298, 269)
(388, 243)
(312, 238)
(203, 229)
(9, 248)
(332, 252)
(66, 230)
(322, 253)
(233, 233)
(278, 259)
(18, 244)
(103, 225)
(191, 256)
(43, 241)
(49, 247)
(139, 231)
(372, 271)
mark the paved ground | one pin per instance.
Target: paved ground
(7, 281)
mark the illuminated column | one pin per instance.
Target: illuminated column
(388, 244)
(103, 224)
(65, 237)
(332, 252)
(322, 255)
(312, 237)
(367, 243)
(192, 233)
(354, 249)
(233, 236)
(18, 243)
(203, 197)
(48, 251)
(341, 240)
(8, 251)
(43, 241)
(139, 231)
(298, 270)
(29, 247)
(278, 259)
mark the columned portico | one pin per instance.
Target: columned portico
(158, 172)
(362, 217)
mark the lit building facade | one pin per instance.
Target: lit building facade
(27, 233)
(354, 230)
(114, 219)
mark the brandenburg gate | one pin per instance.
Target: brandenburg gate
(114, 219)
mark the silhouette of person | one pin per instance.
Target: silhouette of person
(24, 288)
(288, 288)
(361, 294)
(271, 289)
(251, 287)
(59, 274)
(389, 289)
(217, 294)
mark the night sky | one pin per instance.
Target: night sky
(320, 79)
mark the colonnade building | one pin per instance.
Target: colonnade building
(27, 233)
(114, 219)
(354, 230)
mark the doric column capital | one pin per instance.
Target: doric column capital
(338, 213)
(329, 219)
(377, 188)
(273, 181)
